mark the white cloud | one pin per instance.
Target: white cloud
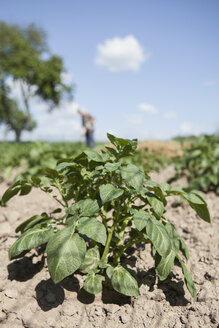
(170, 115)
(148, 108)
(210, 83)
(121, 54)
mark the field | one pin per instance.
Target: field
(29, 297)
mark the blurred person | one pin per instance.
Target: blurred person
(87, 127)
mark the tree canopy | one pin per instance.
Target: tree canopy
(25, 57)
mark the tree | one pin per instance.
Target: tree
(11, 115)
(26, 58)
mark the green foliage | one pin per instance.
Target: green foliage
(102, 219)
(32, 158)
(65, 253)
(25, 58)
(11, 115)
(200, 164)
(150, 160)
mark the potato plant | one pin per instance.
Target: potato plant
(150, 160)
(31, 158)
(108, 206)
(200, 164)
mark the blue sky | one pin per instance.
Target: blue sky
(145, 69)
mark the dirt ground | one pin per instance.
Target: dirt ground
(169, 149)
(29, 298)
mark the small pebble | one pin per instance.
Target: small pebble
(124, 318)
(11, 293)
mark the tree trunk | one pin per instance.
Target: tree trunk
(17, 135)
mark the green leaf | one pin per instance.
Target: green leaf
(108, 192)
(140, 218)
(215, 168)
(11, 192)
(31, 222)
(25, 189)
(30, 239)
(184, 249)
(86, 207)
(158, 236)
(195, 201)
(112, 151)
(156, 204)
(93, 283)
(117, 141)
(165, 265)
(57, 210)
(93, 229)
(200, 206)
(64, 164)
(65, 254)
(112, 166)
(174, 236)
(103, 264)
(81, 159)
(123, 282)
(36, 180)
(151, 183)
(92, 257)
(95, 156)
(125, 146)
(51, 173)
(195, 153)
(176, 240)
(133, 176)
(202, 211)
(188, 279)
(99, 168)
(193, 198)
(109, 271)
(165, 186)
(114, 140)
(175, 191)
(213, 179)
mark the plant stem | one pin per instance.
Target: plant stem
(59, 201)
(77, 193)
(122, 231)
(107, 246)
(54, 197)
(58, 185)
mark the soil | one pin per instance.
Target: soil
(168, 149)
(29, 298)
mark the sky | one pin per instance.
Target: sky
(145, 69)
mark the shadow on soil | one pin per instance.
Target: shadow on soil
(24, 269)
(49, 295)
(173, 290)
